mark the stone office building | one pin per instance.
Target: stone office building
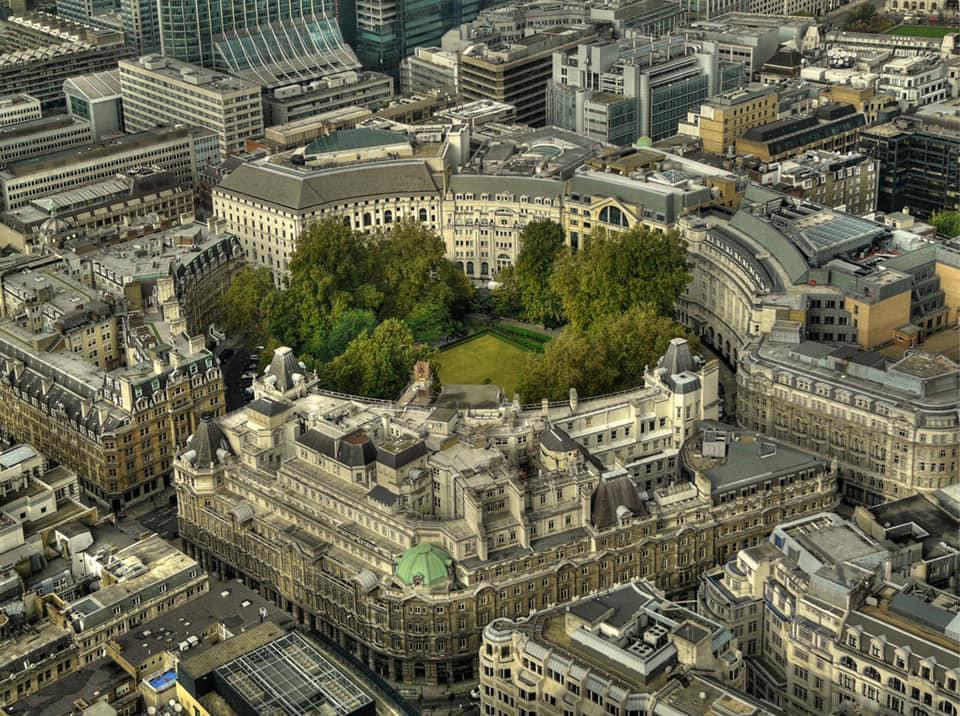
(893, 429)
(401, 531)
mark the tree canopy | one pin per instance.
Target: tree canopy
(615, 272)
(247, 303)
(541, 245)
(608, 356)
(947, 222)
(377, 363)
(347, 292)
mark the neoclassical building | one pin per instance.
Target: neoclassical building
(892, 428)
(832, 618)
(268, 205)
(484, 216)
(400, 531)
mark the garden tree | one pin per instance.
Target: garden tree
(947, 222)
(615, 272)
(430, 322)
(505, 300)
(541, 244)
(332, 268)
(608, 356)
(377, 363)
(347, 326)
(247, 303)
(414, 272)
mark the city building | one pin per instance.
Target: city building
(283, 137)
(832, 127)
(835, 617)
(919, 160)
(17, 108)
(137, 583)
(83, 10)
(387, 31)
(915, 81)
(96, 99)
(104, 357)
(124, 203)
(518, 73)
(421, 515)
(751, 38)
(618, 92)
(626, 650)
(783, 263)
(506, 184)
(891, 427)
(428, 68)
(269, 204)
(724, 118)
(287, 42)
(652, 198)
(181, 150)
(351, 88)
(40, 136)
(141, 25)
(159, 91)
(846, 182)
(42, 50)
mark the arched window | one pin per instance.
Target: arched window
(388, 217)
(422, 215)
(894, 683)
(346, 221)
(367, 219)
(484, 268)
(848, 663)
(460, 265)
(946, 707)
(871, 673)
(469, 268)
(613, 215)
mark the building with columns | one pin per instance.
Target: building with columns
(401, 530)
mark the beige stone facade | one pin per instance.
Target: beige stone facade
(893, 430)
(401, 533)
(832, 625)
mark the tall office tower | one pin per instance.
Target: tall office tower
(272, 42)
(387, 31)
(141, 24)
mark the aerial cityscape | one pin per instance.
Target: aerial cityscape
(481, 357)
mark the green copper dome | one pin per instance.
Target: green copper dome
(424, 564)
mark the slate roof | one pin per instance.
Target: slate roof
(610, 494)
(556, 439)
(401, 457)
(208, 441)
(305, 190)
(267, 407)
(283, 366)
(353, 450)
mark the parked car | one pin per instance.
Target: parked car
(249, 375)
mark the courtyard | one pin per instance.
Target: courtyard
(485, 358)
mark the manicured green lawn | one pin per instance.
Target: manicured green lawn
(921, 30)
(486, 356)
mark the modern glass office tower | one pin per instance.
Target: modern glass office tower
(273, 42)
(141, 24)
(387, 31)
